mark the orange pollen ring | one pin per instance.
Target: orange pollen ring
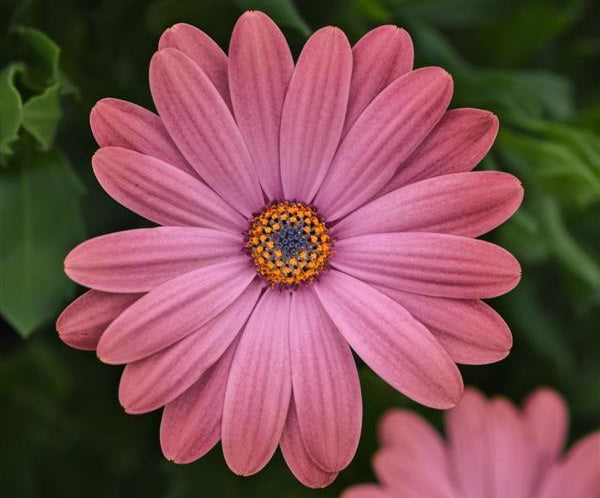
(289, 244)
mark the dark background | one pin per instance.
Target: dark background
(535, 63)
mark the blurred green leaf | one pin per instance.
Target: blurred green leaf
(283, 12)
(10, 108)
(41, 56)
(450, 13)
(41, 114)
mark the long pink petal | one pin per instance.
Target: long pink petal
(297, 458)
(120, 123)
(314, 112)
(368, 491)
(199, 47)
(82, 323)
(152, 382)
(468, 204)
(384, 135)
(191, 424)
(469, 330)
(203, 128)
(162, 193)
(325, 384)
(174, 310)
(260, 68)
(379, 57)
(429, 263)
(142, 259)
(457, 144)
(397, 347)
(259, 387)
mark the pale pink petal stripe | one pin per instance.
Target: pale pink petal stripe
(457, 144)
(191, 424)
(201, 48)
(162, 193)
(469, 330)
(379, 57)
(325, 384)
(468, 204)
(82, 323)
(203, 128)
(152, 382)
(140, 260)
(384, 135)
(259, 387)
(397, 347)
(297, 459)
(314, 112)
(120, 123)
(429, 263)
(368, 491)
(260, 68)
(174, 310)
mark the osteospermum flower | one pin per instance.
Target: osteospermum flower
(493, 450)
(307, 209)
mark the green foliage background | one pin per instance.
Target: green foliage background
(536, 63)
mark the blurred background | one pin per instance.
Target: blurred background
(535, 63)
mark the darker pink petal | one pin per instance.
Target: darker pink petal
(314, 112)
(368, 491)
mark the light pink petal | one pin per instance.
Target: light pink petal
(469, 330)
(381, 56)
(201, 48)
(152, 382)
(429, 263)
(368, 491)
(120, 123)
(259, 387)
(82, 323)
(384, 135)
(174, 310)
(191, 424)
(142, 259)
(162, 193)
(314, 112)
(457, 144)
(297, 458)
(260, 68)
(203, 128)
(397, 347)
(325, 384)
(468, 204)
(546, 416)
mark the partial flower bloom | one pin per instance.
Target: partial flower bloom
(307, 208)
(492, 450)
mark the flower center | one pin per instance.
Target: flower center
(289, 244)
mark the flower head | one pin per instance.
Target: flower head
(306, 208)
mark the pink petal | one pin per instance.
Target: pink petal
(174, 310)
(162, 193)
(384, 135)
(314, 112)
(298, 460)
(397, 347)
(201, 125)
(82, 323)
(368, 491)
(191, 424)
(154, 381)
(429, 263)
(457, 144)
(381, 56)
(469, 330)
(259, 387)
(325, 383)
(119, 123)
(142, 259)
(199, 47)
(468, 204)
(260, 68)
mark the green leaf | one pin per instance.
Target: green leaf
(10, 108)
(41, 55)
(283, 12)
(41, 114)
(40, 221)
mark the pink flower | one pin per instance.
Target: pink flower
(493, 451)
(344, 171)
